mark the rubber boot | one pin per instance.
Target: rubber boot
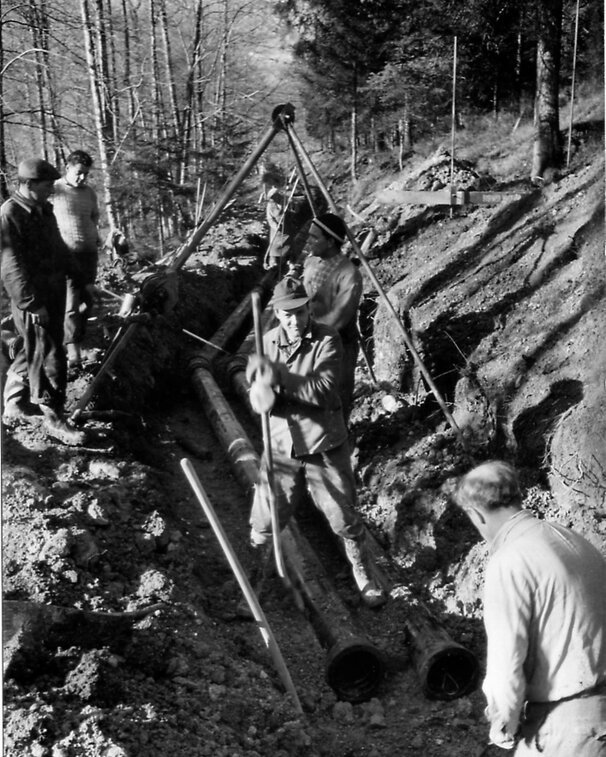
(260, 570)
(357, 554)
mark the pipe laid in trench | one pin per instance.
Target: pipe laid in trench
(354, 666)
(447, 670)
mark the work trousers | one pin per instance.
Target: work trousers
(565, 729)
(330, 481)
(39, 367)
(77, 307)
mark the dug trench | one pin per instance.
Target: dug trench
(122, 632)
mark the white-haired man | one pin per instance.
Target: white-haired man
(545, 619)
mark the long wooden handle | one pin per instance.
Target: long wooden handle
(275, 524)
(240, 575)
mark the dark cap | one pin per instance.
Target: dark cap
(289, 294)
(37, 169)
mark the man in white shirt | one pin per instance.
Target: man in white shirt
(545, 619)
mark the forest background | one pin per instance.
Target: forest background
(170, 95)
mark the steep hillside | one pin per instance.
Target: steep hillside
(122, 637)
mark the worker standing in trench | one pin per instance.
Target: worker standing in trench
(297, 379)
(35, 265)
(334, 286)
(278, 248)
(545, 618)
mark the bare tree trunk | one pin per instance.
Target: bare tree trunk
(354, 127)
(170, 75)
(104, 131)
(3, 164)
(189, 109)
(547, 148)
(34, 24)
(155, 75)
(114, 100)
(58, 141)
(128, 84)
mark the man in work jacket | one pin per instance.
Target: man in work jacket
(545, 619)
(34, 268)
(298, 378)
(334, 286)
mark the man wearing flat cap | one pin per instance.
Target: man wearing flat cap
(35, 266)
(334, 285)
(297, 382)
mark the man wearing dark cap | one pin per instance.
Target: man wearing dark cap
(545, 618)
(334, 286)
(300, 371)
(35, 265)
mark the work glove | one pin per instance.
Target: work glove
(261, 375)
(262, 396)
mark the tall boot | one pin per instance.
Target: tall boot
(357, 554)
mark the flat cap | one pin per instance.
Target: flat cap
(289, 294)
(37, 169)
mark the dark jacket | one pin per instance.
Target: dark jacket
(35, 260)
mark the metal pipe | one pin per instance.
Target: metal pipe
(298, 146)
(447, 670)
(281, 115)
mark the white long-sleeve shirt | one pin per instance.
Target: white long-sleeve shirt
(545, 617)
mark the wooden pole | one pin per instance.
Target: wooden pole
(234, 563)
(271, 486)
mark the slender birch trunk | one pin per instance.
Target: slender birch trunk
(104, 133)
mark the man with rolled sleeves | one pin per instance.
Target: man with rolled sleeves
(35, 266)
(297, 379)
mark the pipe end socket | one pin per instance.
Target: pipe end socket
(354, 669)
(448, 672)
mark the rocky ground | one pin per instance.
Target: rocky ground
(121, 631)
